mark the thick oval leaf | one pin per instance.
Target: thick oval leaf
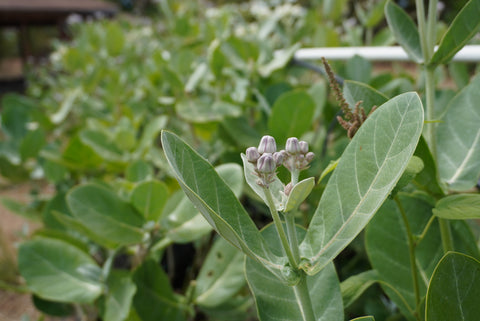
(103, 213)
(353, 287)
(404, 30)
(58, 271)
(183, 221)
(458, 207)
(454, 289)
(354, 92)
(221, 275)
(215, 200)
(458, 140)
(367, 172)
(149, 198)
(299, 193)
(119, 296)
(324, 289)
(155, 299)
(292, 115)
(463, 28)
(386, 243)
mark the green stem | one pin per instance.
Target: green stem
(432, 27)
(446, 235)
(425, 229)
(430, 112)
(422, 29)
(292, 235)
(280, 230)
(411, 252)
(301, 292)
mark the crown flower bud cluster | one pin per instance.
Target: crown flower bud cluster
(266, 159)
(297, 156)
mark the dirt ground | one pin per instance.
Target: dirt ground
(14, 306)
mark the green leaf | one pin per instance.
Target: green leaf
(183, 221)
(462, 29)
(454, 289)
(415, 166)
(427, 178)
(292, 115)
(458, 140)
(199, 111)
(458, 207)
(138, 171)
(15, 115)
(215, 200)
(268, 291)
(368, 318)
(386, 242)
(101, 144)
(66, 106)
(221, 275)
(367, 172)
(102, 212)
(404, 30)
(58, 271)
(358, 69)
(120, 292)
(32, 143)
(279, 61)
(53, 308)
(353, 287)
(114, 39)
(149, 198)
(155, 299)
(354, 92)
(299, 193)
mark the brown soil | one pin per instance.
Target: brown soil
(13, 229)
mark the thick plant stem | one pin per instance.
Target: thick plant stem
(411, 252)
(292, 235)
(280, 230)
(430, 108)
(432, 26)
(301, 292)
(422, 29)
(446, 235)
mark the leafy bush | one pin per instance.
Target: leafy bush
(129, 205)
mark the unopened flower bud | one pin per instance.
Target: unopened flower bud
(292, 146)
(266, 164)
(303, 147)
(267, 145)
(252, 154)
(309, 157)
(279, 157)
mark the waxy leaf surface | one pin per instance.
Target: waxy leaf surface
(58, 271)
(367, 172)
(277, 301)
(105, 214)
(221, 275)
(405, 30)
(215, 200)
(458, 140)
(463, 28)
(458, 207)
(454, 289)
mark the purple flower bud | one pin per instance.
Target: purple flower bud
(303, 147)
(252, 154)
(279, 157)
(267, 145)
(309, 157)
(292, 146)
(266, 164)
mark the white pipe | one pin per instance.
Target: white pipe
(466, 54)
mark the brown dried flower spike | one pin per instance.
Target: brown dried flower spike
(351, 121)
